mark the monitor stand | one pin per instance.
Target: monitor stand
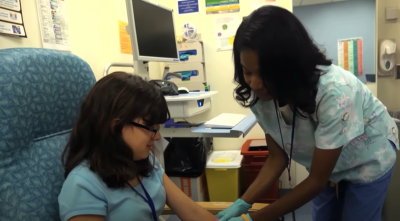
(141, 69)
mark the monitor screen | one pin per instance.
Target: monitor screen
(155, 31)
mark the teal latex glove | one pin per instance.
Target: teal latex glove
(240, 218)
(238, 208)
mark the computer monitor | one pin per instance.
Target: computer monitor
(152, 31)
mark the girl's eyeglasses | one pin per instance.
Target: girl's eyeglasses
(146, 128)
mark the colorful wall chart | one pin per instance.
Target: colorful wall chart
(350, 55)
(222, 6)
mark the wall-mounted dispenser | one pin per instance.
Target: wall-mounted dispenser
(387, 58)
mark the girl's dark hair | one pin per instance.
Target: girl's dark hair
(288, 59)
(119, 96)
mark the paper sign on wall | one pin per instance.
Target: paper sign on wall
(11, 21)
(53, 23)
(124, 38)
(255, 4)
(222, 6)
(350, 55)
(188, 6)
(225, 31)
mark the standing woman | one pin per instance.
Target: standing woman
(317, 113)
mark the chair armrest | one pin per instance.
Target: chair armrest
(216, 207)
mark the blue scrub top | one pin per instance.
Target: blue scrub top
(347, 115)
(84, 193)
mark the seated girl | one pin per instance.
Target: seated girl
(110, 171)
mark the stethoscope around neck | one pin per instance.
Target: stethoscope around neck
(292, 136)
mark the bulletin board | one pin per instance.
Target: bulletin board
(350, 55)
(11, 20)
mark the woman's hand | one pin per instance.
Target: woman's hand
(236, 209)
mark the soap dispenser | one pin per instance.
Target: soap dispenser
(387, 58)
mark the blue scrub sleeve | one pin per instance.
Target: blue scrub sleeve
(340, 117)
(79, 196)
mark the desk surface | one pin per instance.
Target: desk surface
(216, 207)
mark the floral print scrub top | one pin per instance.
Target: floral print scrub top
(347, 115)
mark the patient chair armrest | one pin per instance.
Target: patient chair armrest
(216, 207)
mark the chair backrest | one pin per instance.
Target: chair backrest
(40, 94)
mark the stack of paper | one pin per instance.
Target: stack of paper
(225, 121)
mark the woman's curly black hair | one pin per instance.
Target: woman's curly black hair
(288, 59)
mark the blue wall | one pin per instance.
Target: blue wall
(332, 21)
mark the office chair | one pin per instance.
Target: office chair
(40, 94)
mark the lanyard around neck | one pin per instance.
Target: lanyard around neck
(292, 138)
(147, 199)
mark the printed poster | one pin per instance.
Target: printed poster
(255, 4)
(11, 20)
(188, 6)
(222, 6)
(53, 23)
(124, 38)
(350, 55)
(225, 31)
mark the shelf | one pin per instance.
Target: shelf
(242, 128)
(190, 96)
